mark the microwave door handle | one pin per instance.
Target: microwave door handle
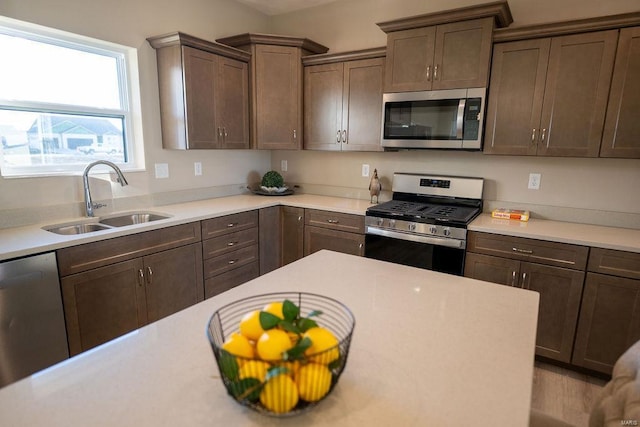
(460, 118)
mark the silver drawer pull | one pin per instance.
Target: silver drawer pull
(231, 224)
(522, 251)
(513, 278)
(333, 221)
(232, 243)
(233, 261)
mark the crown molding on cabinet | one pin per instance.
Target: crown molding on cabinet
(272, 39)
(498, 10)
(328, 58)
(567, 27)
(183, 39)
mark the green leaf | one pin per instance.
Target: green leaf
(305, 324)
(246, 389)
(275, 371)
(290, 310)
(297, 351)
(314, 313)
(228, 365)
(268, 320)
(335, 364)
(289, 326)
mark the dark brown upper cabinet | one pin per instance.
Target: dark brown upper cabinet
(204, 93)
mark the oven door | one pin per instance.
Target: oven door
(415, 254)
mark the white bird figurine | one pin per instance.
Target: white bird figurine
(375, 186)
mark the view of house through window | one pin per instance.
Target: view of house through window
(64, 102)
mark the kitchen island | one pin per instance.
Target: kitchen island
(428, 349)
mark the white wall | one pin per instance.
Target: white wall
(130, 23)
(584, 190)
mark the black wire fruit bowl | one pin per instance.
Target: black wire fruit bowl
(281, 353)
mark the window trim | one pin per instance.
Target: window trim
(130, 98)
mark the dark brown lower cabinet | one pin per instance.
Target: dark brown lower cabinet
(106, 302)
(292, 234)
(609, 321)
(560, 290)
(230, 279)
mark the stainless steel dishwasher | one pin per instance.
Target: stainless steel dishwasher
(32, 328)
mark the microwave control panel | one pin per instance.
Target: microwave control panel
(471, 118)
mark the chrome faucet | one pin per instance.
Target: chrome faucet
(89, 206)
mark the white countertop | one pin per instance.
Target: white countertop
(623, 239)
(428, 349)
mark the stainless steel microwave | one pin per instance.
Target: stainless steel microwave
(447, 119)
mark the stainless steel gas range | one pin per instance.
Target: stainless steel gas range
(425, 224)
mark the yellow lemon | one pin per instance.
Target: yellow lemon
(274, 308)
(250, 325)
(279, 394)
(291, 365)
(254, 369)
(313, 381)
(272, 344)
(239, 345)
(322, 341)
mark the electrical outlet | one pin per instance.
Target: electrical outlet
(365, 170)
(162, 170)
(197, 168)
(534, 181)
(283, 165)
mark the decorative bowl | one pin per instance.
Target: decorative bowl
(296, 381)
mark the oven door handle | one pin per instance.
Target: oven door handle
(460, 118)
(438, 241)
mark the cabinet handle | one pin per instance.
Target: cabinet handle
(294, 134)
(524, 281)
(140, 277)
(360, 246)
(522, 251)
(533, 136)
(233, 261)
(333, 221)
(219, 132)
(513, 278)
(435, 72)
(544, 134)
(300, 218)
(338, 137)
(428, 73)
(344, 136)
(224, 129)
(231, 224)
(149, 275)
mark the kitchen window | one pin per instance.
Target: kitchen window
(65, 100)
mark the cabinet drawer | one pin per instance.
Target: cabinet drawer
(335, 221)
(215, 227)
(229, 242)
(523, 249)
(229, 261)
(318, 238)
(97, 254)
(225, 281)
(615, 263)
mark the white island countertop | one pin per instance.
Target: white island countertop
(428, 349)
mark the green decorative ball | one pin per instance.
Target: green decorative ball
(272, 179)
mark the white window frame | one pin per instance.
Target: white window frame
(127, 59)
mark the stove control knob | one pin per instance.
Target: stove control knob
(380, 222)
(412, 227)
(433, 229)
(392, 223)
(446, 231)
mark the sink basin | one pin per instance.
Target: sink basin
(131, 219)
(77, 228)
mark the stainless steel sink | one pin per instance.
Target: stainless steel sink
(105, 223)
(77, 228)
(131, 219)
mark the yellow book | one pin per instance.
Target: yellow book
(518, 214)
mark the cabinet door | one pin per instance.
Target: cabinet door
(103, 304)
(323, 107)
(560, 291)
(270, 232)
(576, 93)
(292, 234)
(622, 127)
(515, 97)
(278, 97)
(362, 105)
(200, 71)
(317, 238)
(462, 54)
(173, 280)
(492, 269)
(609, 321)
(232, 103)
(410, 60)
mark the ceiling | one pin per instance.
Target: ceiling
(278, 7)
